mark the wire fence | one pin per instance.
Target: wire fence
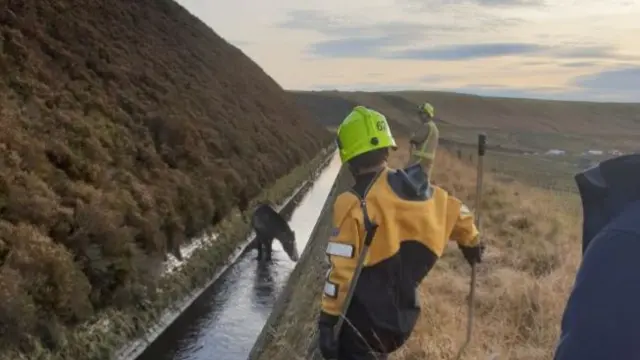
(543, 172)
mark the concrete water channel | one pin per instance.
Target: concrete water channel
(225, 320)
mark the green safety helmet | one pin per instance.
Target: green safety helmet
(363, 130)
(427, 108)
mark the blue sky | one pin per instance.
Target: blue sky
(554, 49)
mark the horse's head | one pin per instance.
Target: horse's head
(288, 241)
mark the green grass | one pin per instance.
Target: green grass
(541, 141)
(544, 172)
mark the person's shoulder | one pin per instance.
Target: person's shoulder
(440, 191)
(346, 199)
(344, 205)
(627, 221)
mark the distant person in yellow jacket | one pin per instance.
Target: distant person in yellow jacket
(415, 220)
(424, 141)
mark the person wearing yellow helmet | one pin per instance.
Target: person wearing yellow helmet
(402, 224)
(426, 112)
(424, 142)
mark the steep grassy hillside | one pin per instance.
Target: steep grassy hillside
(511, 123)
(127, 127)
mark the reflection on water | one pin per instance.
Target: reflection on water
(264, 287)
(223, 323)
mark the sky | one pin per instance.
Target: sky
(550, 49)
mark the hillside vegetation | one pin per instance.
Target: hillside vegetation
(127, 128)
(523, 282)
(525, 124)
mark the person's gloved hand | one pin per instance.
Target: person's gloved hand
(473, 254)
(327, 343)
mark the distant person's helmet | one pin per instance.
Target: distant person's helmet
(427, 109)
(362, 131)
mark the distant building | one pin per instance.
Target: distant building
(594, 152)
(555, 152)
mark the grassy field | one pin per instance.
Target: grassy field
(542, 172)
(487, 112)
(524, 124)
(532, 234)
(514, 127)
(533, 237)
(532, 141)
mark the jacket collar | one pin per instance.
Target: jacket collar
(605, 190)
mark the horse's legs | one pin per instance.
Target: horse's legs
(258, 244)
(268, 247)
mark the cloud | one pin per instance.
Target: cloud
(509, 2)
(399, 47)
(358, 47)
(435, 78)
(348, 37)
(466, 52)
(613, 85)
(625, 80)
(372, 40)
(580, 64)
(429, 5)
(343, 27)
(487, 3)
(408, 83)
(580, 51)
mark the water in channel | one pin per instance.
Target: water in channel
(223, 323)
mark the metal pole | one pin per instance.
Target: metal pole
(482, 141)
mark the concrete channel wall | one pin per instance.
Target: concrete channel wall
(290, 328)
(137, 346)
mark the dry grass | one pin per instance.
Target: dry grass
(533, 252)
(515, 124)
(463, 110)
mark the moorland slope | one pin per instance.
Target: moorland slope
(127, 128)
(482, 111)
(515, 124)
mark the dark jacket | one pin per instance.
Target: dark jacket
(602, 317)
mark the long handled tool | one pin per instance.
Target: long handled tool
(482, 142)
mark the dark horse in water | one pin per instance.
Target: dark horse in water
(269, 225)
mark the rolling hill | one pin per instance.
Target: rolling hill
(519, 123)
(127, 128)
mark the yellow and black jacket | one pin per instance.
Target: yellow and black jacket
(412, 234)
